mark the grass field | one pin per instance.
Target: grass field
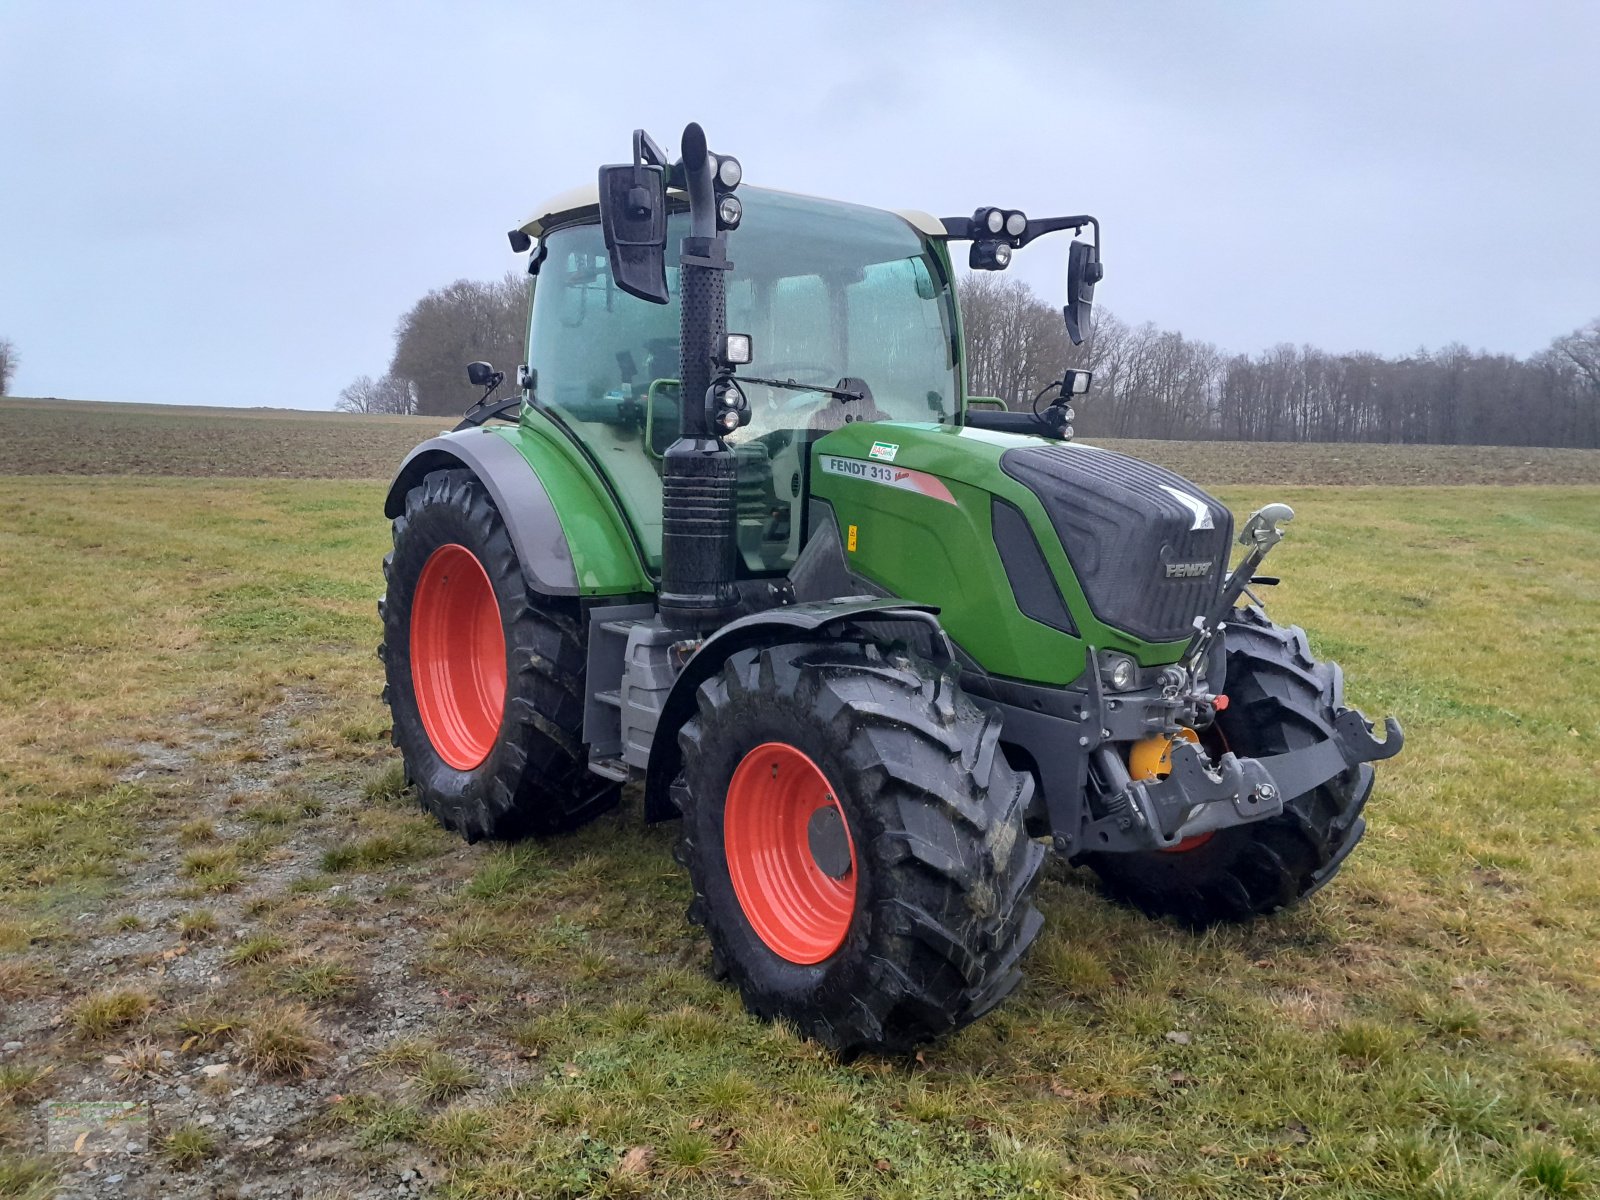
(215, 899)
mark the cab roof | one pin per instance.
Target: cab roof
(585, 200)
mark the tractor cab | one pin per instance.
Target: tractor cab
(826, 291)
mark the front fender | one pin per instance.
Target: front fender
(770, 627)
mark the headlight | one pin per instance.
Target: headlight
(1122, 674)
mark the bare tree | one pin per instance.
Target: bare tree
(1581, 348)
(385, 394)
(8, 364)
(452, 326)
(1016, 343)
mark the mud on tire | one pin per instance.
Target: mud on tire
(534, 779)
(943, 868)
(1280, 698)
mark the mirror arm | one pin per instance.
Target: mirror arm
(1053, 224)
(645, 153)
(495, 381)
(484, 411)
(960, 229)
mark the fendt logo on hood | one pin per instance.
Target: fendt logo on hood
(1171, 569)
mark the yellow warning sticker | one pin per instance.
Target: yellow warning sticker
(850, 540)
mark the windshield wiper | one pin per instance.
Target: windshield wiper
(796, 386)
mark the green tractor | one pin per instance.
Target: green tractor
(876, 646)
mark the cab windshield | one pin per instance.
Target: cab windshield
(827, 290)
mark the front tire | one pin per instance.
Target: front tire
(854, 837)
(1280, 698)
(485, 678)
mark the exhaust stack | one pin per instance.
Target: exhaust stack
(698, 470)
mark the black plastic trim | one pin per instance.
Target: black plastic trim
(770, 627)
(1033, 584)
(1011, 422)
(518, 495)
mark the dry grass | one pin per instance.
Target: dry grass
(197, 924)
(281, 1040)
(188, 1146)
(103, 1013)
(440, 1077)
(23, 1082)
(140, 1061)
(257, 948)
(21, 977)
(316, 980)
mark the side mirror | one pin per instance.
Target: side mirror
(1083, 272)
(480, 374)
(633, 216)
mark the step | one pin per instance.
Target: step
(610, 768)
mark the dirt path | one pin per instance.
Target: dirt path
(240, 940)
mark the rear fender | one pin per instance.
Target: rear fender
(864, 617)
(538, 500)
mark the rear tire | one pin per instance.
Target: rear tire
(1280, 698)
(490, 767)
(924, 931)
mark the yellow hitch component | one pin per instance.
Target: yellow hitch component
(1151, 758)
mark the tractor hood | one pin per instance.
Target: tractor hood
(1110, 550)
(1149, 548)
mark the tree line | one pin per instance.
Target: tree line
(1155, 383)
(1149, 382)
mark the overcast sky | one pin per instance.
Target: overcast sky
(232, 203)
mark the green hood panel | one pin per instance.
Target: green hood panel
(914, 504)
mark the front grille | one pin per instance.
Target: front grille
(1132, 545)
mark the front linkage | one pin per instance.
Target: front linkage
(1197, 797)
(1193, 796)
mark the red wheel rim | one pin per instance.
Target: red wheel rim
(779, 805)
(458, 656)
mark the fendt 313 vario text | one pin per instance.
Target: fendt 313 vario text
(742, 536)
